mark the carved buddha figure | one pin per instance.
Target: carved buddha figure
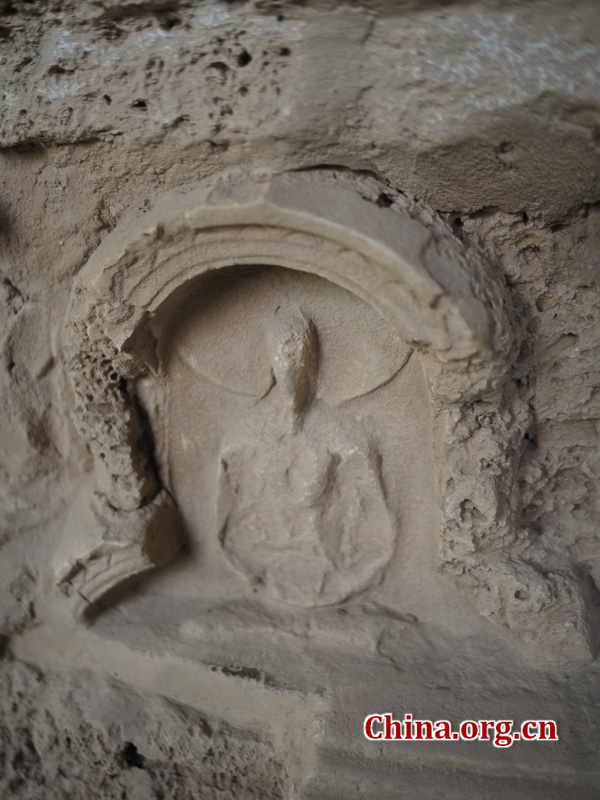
(301, 508)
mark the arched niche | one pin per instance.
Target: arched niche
(314, 488)
(444, 302)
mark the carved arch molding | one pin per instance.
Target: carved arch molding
(443, 300)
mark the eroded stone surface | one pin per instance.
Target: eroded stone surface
(65, 735)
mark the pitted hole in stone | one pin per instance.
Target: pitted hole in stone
(217, 70)
(132, 757)
(169, 21)
(384, 200)
(244, 58)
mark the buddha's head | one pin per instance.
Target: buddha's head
(293, 350)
